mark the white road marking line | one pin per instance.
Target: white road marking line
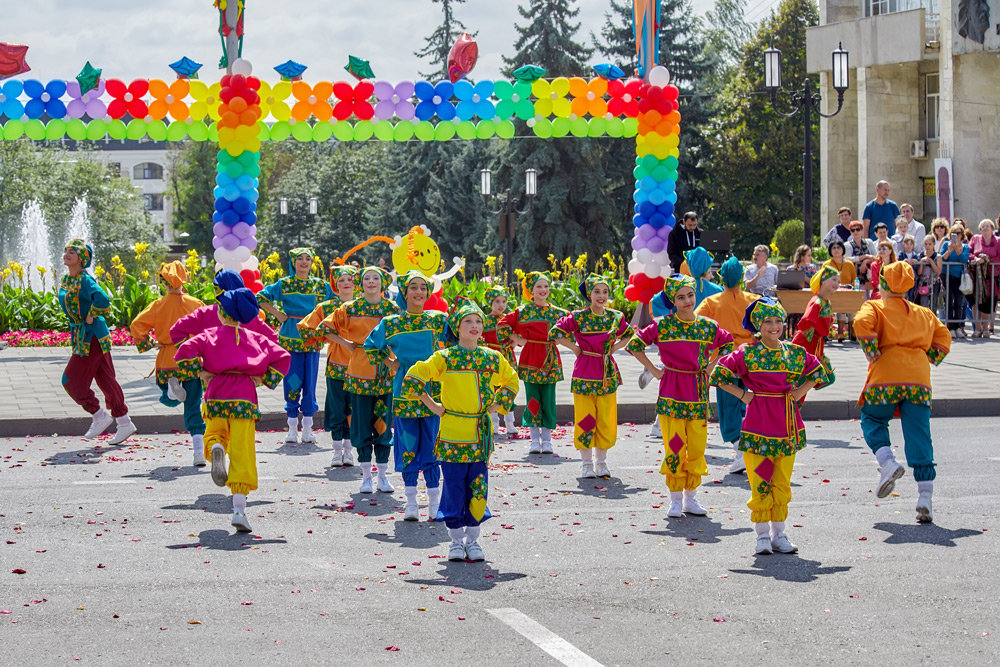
(108, 481)
(543, 638)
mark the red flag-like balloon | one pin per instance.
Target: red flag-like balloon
(12, 60)
(462, 58)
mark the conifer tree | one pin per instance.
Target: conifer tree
(439, 43)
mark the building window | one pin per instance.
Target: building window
(147, 171)
(152, 202)
(880, 7)
(932, 106)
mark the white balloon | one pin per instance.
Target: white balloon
(241, 254)
(658, 76)
(644, 255)
(652, 270)
(634, 267)
(232, 265)
(665, 272)
(661, 258)
(220, 255)
(242, 66)
(253, 263)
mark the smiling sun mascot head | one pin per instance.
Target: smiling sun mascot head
(416, 251)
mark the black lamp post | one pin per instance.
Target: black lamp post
(807, 102)
(313, 212)
(509, 209)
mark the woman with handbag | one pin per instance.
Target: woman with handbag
(955, 256)
(928, 271)
(984, 264)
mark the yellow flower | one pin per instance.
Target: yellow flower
(42, 270)
(99, 271)
(17, 269)
(490, 262)
(581, 262)
(145, 275)
(140, 249)
(519, 273)
(552, 261)
(774, 249)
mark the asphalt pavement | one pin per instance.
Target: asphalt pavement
(125, 555)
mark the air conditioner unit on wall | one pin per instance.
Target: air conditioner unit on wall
(918, 149)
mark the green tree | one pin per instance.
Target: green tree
(190, 187)
(438, 45)
(756, 164)
(548, 39)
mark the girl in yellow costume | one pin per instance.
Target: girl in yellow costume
(594, 334)
(151, 328)
(469, 375)
(496, 336)
(685, 342)
(776, 376)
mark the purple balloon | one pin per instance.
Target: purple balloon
(230, 242)
(220, 229)
(217, 242)
(241, 229)
(663, 232)
(638, 243)
(646, 232)
(253, 230)
(655, 244)
(250, 243)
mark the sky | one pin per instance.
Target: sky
(138, 39)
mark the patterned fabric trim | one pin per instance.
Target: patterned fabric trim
(272, 378)
(770, 446)
(681, 409)
(891, 394)
(869, 345)
(144, 345)
(299, 345)
(230, 409)
(936, 354)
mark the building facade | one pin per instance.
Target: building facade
(923, 109)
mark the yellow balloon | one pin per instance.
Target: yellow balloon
(417, 251)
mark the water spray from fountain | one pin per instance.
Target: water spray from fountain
(79, 222)
(33, 245)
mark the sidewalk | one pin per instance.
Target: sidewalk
(33, 402)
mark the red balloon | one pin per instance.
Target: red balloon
(665, 106)
(436, 302)
(653, 93)
(462, 58)
(247, 276)
(631, 293)
(671, 92)
(253, 83)
(226, 94)
(238, 82)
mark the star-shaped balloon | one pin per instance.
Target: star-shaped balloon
(529, 73)
(186, 68)
(291, 70)
(609, 71)
(12, 59)
(360, 69)
(88, 78)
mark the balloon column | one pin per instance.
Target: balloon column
(655, 185)
(235, 217)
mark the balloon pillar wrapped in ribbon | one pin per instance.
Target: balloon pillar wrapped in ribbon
(655, 185)
(235, 217)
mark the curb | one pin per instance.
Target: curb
(638, 413)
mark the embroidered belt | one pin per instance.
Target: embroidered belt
(484, 427)
(790, 426)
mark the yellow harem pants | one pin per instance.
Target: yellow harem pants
(684, 442)
(239, 438)
(770, 480)
(595, 421)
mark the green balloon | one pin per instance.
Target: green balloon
(505, 129)
(485, 129)
(117, 129)
(616, 128)
(649, 162)
(156, 130)
(322, 131)
(466, 130)
(631, 127)
(424, 131)
(280, 131)
(597, 127)
(34, 129)
(639, 173)
(383, 130)
(234, 170)
(13, 129)
(222, 157)
(343, 131)
(56, 129)
(672, 175)
(579, 127)
(198, 131)
(364, 130)
(176, 131)
(302, 131)
(560, 127)
(213, 132)
(445, 130)
(660, 174)
(97, 129)
(543, 128)
(254, 170)
(265, 132)
(247, 159)
(670, 163)
(75, 129)
(404, 131)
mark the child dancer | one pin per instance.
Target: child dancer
(290, 299)
(399, 341)
(817, 320)
(337, 407)
(369, 386)
(728, 308)
(85, 303)
(175, 387)
(233, 361)
(469, 375)
(685, 342)
(539, 366)
(777, 376)
(594, 335)
(496, 336)
(207, 317)
(901, 340)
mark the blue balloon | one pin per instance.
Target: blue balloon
(246, 182)
(241, 205)
(639, 220)
(671, 221)
(647, 209)
(648, 183)
(249, 218)
(666, 208)
(222, 204)
(672, 197)
(223, 179)
(253, 205)
(217, 192)
(231, 192)
(657, 220)
(657, 197)
(216, 217)
(230, 217)
(668, 186)
(640, 196)
(637, 208)
(252, 195)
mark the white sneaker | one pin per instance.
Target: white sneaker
(338, 455)
(411, 513)
(308, 437)
(240, 522)
(763, 545)
(782, 544)
(456, 552)
(546, 447)
(474, 552)
(644, 378)
(587, 470)
(99, 423)
(347, 459)
(508, 421)
(384, 486)
(692, 506)
(535, 447)
(125, 429)
(924, 514)
(220, 475)
(292, 437)
(738, 465)
(890, 472)
(654, 430)
(198, 447)
(602, 469)
(175, 390)
(433, 503)
(366, 484)
(676, 509)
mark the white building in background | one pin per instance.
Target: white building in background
(923, 109)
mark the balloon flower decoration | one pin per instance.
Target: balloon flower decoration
(655, 185)
(235, 217)
(417, 251)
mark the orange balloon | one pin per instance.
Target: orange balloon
(237, 104)
(665, 127)
(248, 117)
(674, 117)
(653, 117)
(229, 119)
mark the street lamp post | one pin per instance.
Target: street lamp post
(807, 101)
(283, 211)
(509, 209)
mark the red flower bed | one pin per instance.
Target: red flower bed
(57, 338)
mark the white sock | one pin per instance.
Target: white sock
(508, 419)
(293, 423)
(100, 414)
(600, 454)
(586, 455)
(123, 421)
(534, 433)
(495, 420)
(884, 456)
(366, 471)
(381, 467)
(689, 493)
(456, 534)
(434, 496)
(471, 534)
(777, 528)
(761, 528)
(411, 494)
(546, 435)
(198, 442)
(240, 503)
(676, 496)
(307, 423)
(925, 487)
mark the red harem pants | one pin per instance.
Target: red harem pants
(97, 366)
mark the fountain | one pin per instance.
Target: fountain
(79, 221)
(33, 246)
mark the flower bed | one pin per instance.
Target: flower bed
(57, 338)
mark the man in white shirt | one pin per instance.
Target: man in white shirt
(915, 228)
(761, 277)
